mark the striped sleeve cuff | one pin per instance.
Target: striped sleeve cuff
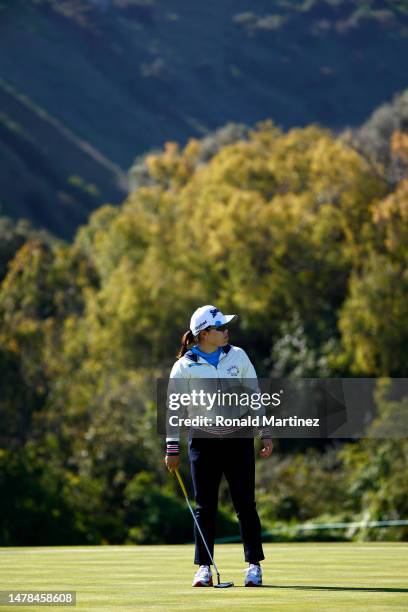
(172, 448)
(264, 432)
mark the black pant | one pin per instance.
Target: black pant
(234, 457)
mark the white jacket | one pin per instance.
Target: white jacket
(233, 363)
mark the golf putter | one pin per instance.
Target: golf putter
(219, 585)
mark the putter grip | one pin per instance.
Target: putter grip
(181, 483)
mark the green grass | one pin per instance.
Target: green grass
(366, 576)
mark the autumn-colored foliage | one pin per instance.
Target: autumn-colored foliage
(294, 231)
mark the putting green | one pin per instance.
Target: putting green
(339, 576)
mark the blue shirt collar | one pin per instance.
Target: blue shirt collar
(193, 356)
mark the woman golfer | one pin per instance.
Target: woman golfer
(206, 353)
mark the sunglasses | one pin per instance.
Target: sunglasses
(220, 328)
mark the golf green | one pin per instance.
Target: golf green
(323, 576)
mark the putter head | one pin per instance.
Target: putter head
(224, 585)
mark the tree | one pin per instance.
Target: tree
(372, 320)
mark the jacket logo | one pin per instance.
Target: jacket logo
(233, 370)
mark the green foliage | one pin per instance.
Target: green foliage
(156, 516)
(43, 286)
(301, 487)
(295, 354)
(44, 502)
(375, 343)
(247, 209)
(297, 232)
(12, 236)
(376, 471)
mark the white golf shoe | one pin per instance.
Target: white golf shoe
(203, 577)
(253, 576)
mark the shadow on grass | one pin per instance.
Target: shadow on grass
(334, 588)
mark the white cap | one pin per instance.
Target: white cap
(208, 315)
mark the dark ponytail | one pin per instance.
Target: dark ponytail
(187, 342)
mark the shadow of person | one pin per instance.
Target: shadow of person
(312, 587)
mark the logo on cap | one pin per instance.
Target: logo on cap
(200, 325)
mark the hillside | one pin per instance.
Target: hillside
(87, 85)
